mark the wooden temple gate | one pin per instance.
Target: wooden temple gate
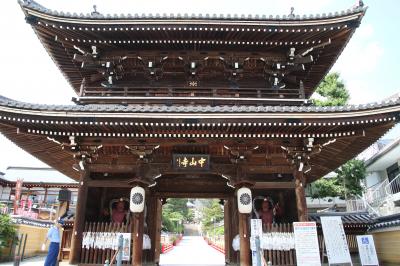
(191, 106)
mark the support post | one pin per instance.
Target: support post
(300, 183)
(45, 197)
(227, 232)
(79, 221)
(137, 236)
(157, 241)
(244, 240)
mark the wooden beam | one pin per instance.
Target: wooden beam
(137, 236)
(112, 168)
(79, 221)
(109, 183)
(300, 183)
(274, 185)
(198, 195)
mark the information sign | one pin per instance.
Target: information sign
(335, 240)
(366, 249)
(306, 243)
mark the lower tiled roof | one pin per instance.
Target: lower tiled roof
(139, 108)
(361, 218)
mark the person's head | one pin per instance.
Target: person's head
(265, 206)
(59, 223)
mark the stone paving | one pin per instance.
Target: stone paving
(193, 250)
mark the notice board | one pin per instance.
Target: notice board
(335, 240)
(306, 243)
(366, 249)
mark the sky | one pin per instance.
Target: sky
(368, 65)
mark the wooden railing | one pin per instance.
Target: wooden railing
(100, 255)
(280, 257)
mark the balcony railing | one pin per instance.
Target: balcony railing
(355, 205)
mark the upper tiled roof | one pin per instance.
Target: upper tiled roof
(30, 4)
(138, 108)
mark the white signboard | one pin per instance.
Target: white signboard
(366, 249)
(256, 227)
(306, 243)
(126, 246)
(256, 230)
(335, 240)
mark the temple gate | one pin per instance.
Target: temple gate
(191, 106)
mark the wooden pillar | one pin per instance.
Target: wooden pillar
(232, 226)
(300, 183)
(45, 196)
(79, 220)
(157, 241)
(244, 240)
(152, 228)
(227, 232)
(137, 236)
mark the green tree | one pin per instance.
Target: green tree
(350, 176)
(333, 90)
(346, 184)
(212, 215)
(7, 231)
(175, 213)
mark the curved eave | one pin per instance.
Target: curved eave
(196, 111)
(39, 11)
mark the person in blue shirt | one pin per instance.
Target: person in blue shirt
(53, 235)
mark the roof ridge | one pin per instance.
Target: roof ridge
(30, 168)
(31, 4)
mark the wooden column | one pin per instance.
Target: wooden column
(234, 228)
(79, 221)
(244, 240)
(154, 228)
(227, 232)
(300, 183)
(157, 242)
(137, 236)
(45, 196)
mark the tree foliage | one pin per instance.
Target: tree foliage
(333, 90)
(346, 184)
(213, 215)
(7, 231)
(175, 213)
(350, 175)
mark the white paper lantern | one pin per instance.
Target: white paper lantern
(137, 199)
(244, 200)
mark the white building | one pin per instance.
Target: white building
(383, 180)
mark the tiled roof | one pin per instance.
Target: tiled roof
(139, 108)
(347, 218)
(386, 222)
(30, 4)
(36, 175)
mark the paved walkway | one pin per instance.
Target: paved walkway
(192, 250)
